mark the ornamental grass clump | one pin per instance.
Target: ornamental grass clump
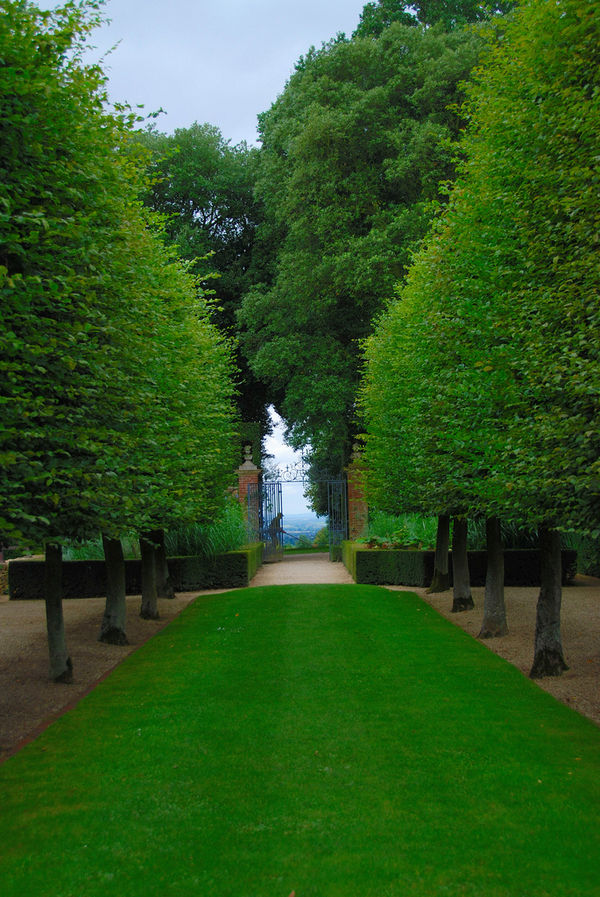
(227, 533)
(404, 531)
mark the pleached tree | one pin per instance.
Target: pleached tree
(90, 297)
(507, 288)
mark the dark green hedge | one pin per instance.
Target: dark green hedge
(231, 570)
(415, 568)
(87, 579)
(588, 554)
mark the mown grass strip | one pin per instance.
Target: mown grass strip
(334, 740)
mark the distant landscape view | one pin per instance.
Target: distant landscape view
(302, 527)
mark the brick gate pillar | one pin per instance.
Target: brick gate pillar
(248, 474)
(358, 510)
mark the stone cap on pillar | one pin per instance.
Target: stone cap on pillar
(248, 463)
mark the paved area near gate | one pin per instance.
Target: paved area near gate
(302, 569)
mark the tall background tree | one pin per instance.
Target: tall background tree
(352, 156)
(204, 188)
(378, 15)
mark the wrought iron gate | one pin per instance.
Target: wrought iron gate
(265, 518)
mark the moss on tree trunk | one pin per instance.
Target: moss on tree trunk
(441, 574)
(61, 666)
(112, 630)
(548, 659)
(494, 610)
(463, 600)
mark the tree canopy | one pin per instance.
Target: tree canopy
(116, 387)
(204, 188)
(378, 15)
(352, 155)
(502, 303)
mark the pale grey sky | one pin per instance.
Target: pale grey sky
(293, 493)
(216, 61)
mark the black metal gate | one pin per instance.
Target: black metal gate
(337, 516)
(265, 518)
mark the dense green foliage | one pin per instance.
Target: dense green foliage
(352, 155)
(414, 529)
(226, 532)
(401, 530)
(116, 387)
(481, 389)
(281, 755)
(204, 187)
(379, 14)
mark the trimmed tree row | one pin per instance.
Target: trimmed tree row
(116, 388)
(481, 385)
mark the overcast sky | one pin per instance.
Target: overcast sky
(293, 493)
(216, 61)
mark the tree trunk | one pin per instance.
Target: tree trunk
(61, 666)
(149, 608)
(164, 584)
(441, 575)
(463, 599)
(494, 611)
(112, 630)
(548, 657)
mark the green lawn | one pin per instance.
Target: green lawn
(339, 741)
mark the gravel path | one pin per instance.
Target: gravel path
(302, 569)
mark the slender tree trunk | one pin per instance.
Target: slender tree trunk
(149, 608)
(548, 657)
(441, 575)
(61, 666)
(164, 584)
(112, 630)
(494, 611)
(463, 599)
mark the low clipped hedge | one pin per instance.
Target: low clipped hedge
(87, 579)
(231, 570)
(377, 566)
